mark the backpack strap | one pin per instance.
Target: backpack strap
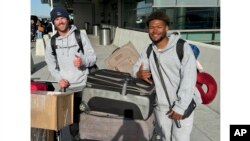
(53, 43)
(149, 50)
(54, 47)
(79, 40)
(179, 48)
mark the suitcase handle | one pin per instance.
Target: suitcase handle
(62, 90)
(124, 87)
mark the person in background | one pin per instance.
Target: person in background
(40, 29)
(73, 66)
(33, 30)
(179, 78)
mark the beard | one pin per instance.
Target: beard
(65, 29)
(158, 40)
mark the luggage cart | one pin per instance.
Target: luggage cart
(59, 105)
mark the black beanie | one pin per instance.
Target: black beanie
(58, 12)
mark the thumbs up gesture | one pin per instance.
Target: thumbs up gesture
(77, 61)
(144, 74)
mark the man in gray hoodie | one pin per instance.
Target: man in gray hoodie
(69, 66)
(179, 78)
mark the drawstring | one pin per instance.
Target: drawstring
(68, 46)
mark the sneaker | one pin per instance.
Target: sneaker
(76, 137)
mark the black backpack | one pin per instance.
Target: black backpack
(79, 42)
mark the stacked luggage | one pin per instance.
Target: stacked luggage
(117, 107)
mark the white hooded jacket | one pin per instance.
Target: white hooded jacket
(67, 47)
(179, 77)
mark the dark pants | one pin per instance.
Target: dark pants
(74, 128)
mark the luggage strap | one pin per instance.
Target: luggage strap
(101, 114)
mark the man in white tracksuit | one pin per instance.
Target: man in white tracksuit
(179, 78)
(69, 66)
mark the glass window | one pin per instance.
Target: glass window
(200, 18)
(194, 3)
(186, 3)
(193, 17)
(164, 3)
(136, 13)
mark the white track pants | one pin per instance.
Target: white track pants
(169, 130)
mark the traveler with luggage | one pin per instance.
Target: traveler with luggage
(174, 79)
(66, 62)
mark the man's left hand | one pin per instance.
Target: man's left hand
(77, 61)
(175, 116)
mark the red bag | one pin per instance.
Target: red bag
(38, 86)
(206, 79)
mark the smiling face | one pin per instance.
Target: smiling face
(61, 25)
(157, 30)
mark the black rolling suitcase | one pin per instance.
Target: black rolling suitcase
(118, 93)
(117, 107)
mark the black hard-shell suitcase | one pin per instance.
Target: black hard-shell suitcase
(118, 93)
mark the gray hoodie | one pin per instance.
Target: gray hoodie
(179, 77)
(67, 47)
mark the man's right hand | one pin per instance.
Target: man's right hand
(63, 83)
(144, 74)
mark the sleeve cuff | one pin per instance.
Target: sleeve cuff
(178, 110)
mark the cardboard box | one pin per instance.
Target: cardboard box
(51, 110)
